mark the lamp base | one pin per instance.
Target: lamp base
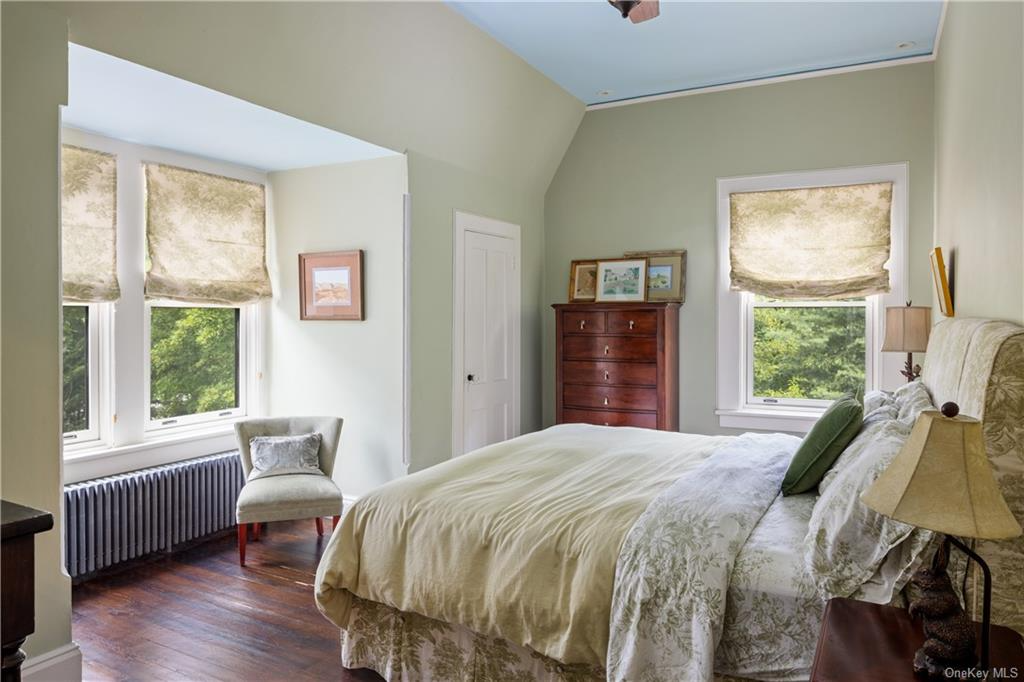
(950, 642)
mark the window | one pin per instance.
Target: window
(195, 368)
(154, 375)
(78, 370)
(806, 352)
(782, 360)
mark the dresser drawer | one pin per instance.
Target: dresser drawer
(610, 397)
(583, 322)
(610, 373)
(641, 322)
(641, 348)
(645, 420)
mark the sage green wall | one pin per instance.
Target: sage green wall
(349, 369)
(979, 157)
(643, 177)
(436, 187)
(34, 85)
(483, 130)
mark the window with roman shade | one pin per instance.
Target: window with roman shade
(817, 243)
(88, 225)
(206, 237)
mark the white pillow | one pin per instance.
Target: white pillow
(847, 542)
(282, 455)
(911, 400)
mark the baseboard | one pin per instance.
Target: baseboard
(63, 664)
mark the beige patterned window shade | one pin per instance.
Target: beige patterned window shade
(88, 225)
(206, 237)
(815, 243)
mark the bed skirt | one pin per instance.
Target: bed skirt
(407, 647)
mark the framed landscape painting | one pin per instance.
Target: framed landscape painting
(331, 285)
(582, 281)
(622, 279)
(666, 274)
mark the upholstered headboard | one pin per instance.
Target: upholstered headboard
(979, 364)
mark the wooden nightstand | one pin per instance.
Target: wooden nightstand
(862, 642)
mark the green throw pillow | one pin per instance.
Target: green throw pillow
(823, 444)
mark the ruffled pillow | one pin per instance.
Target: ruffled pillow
(847, 542)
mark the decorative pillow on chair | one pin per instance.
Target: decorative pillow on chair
(823, 444)
(281, 455)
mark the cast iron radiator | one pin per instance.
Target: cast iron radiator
(117, 518)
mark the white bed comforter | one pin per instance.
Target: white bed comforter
(674, 567)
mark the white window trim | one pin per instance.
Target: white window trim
(124, 442)
(734, 328)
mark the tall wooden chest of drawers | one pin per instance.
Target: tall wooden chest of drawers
(617, 364)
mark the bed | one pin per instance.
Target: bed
(589, 553)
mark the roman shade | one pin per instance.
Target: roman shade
(88, 205)
(812, 243)
(206, 237)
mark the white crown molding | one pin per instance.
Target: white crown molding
(771, 80)
(63, 663)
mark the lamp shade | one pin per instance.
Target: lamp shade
(907, 328)
(941, 480)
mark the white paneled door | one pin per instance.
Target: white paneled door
(486, 391)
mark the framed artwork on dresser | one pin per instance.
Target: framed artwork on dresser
(666, 274)
(582, 281)
(621, 280)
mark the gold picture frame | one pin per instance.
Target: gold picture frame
(583, 281)
(941, 282)
(666, 274)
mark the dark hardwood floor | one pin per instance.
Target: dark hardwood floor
(198, 615)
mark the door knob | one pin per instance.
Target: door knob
(470, 377)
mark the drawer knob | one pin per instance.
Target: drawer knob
(583, 324)
(606, 423)
(606, 375)
(606, 350)
(606, 401)
(631, 325)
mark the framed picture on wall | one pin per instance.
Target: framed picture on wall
(331, 285)
(666, 274)
(582, 281)
(941, 282)
(622, 279)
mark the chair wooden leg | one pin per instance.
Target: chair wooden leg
(320, 526)
(243, 531)
(256, 528)
(334, 522)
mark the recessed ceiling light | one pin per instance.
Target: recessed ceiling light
(906, 45)
(603, 93)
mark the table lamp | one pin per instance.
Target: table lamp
(942, 481)
(906, 331)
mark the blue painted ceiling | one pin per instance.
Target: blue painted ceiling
(588, 49)
(120, 99)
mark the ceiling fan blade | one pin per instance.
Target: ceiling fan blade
(644, 10)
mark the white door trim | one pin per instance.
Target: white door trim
(464, 222)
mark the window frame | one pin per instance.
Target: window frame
(124, 441)
(91, 433)
(735, 406)
(752, 401)
(158, 426)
